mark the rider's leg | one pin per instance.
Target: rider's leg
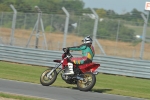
(75, 60)
(70, 69)
(87, 61)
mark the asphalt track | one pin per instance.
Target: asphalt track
(55, 93)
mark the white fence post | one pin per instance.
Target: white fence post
(13, 24)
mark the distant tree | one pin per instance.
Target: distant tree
(55, 6)
(101, 13)
(111, 14)
(126, 34)
(8, 2)
(22, 6)
(4, 8)
(5, 5)
(1, 1)
(107, 29)
(135, 14)
(74, 6)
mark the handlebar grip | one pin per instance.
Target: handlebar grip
(64, 49)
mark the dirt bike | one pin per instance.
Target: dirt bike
(84, 75)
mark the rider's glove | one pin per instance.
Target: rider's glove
(67, 49)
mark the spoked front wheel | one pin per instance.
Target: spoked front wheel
(88, 82)
(46, 79)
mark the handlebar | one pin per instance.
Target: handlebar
(64, 49)
(67, 51)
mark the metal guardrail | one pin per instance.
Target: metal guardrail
(109, 64)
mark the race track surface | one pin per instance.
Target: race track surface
(55, 93)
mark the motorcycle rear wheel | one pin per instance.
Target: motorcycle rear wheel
(88, 82)
(46, 81)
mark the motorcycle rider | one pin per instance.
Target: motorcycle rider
(87, 54)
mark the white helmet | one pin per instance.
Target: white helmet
(87, 40)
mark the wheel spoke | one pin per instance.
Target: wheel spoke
(47, 79)
(86, 82)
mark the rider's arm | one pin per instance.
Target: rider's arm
(78, 48)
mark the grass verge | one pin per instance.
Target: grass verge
(112, 84)
(17, 97)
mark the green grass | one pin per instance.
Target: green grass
(112, 84)
(139, 29)
(18, 97)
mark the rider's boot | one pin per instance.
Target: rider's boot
(69, 71)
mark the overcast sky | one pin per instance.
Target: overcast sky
(119, 6)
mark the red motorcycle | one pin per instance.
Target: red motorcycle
(84, 75)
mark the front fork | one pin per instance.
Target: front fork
(49, 74)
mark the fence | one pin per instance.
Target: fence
(109, 64)
(54, 25)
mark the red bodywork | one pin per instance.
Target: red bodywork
(91, 67)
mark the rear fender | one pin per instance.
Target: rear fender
(91, 67)
(94, 67)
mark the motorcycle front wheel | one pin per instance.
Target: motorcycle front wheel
(46, 81)
(88, 82)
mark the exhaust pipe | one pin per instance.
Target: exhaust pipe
(79, 78)
(95, 73)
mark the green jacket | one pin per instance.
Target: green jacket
(87, 50)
